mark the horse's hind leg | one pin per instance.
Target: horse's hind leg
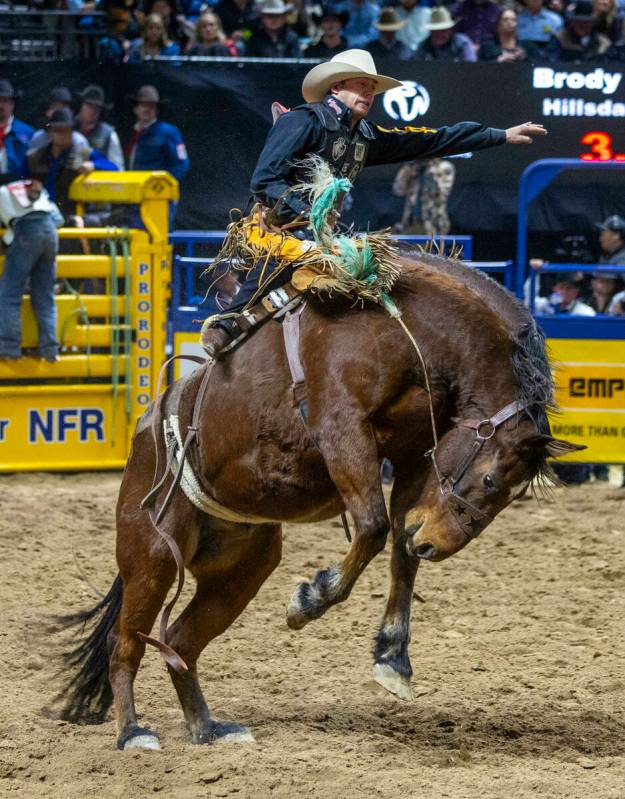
(143, 597)
(352, 463)
(148, 570)
(231, 564)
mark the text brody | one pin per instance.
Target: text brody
(597, 80)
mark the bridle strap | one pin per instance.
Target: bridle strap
(478, 425)
(472, 520)
(471, 455)
(497, 419)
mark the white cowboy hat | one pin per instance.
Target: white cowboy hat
(273, 7)
(346, 65)
(441, 20)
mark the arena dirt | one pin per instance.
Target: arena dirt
(518, 654)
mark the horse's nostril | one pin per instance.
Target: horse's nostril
(425, 551)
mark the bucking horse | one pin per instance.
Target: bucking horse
(460, 412)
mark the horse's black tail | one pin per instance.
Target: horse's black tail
(88, 695)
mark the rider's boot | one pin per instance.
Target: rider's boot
(214, 339)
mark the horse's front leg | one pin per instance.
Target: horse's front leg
(391, 661)
(352, 461)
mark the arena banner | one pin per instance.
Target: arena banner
(223, 110)
(590, 391)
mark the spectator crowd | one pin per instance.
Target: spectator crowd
(461, 30)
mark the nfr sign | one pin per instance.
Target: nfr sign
(53, 425)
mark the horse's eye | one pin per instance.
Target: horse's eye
(489, 483)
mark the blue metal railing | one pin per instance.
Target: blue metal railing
(535, 179)
(566, 325)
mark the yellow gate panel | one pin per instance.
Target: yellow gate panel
(590, 392)
(80, 412)
(48, 428)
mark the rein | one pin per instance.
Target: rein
(171, 657)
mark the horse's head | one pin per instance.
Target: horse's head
(478, 468)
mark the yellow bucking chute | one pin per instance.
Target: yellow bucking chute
(80, 412)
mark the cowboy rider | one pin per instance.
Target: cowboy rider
(332, 124)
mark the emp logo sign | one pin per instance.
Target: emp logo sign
(596, 387)
(407, 102)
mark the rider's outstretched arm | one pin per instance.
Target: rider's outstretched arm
(394, 145)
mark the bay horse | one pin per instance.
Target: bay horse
(490, 388)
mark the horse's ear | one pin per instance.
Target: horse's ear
(554, 447)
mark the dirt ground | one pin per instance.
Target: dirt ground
(518, 654)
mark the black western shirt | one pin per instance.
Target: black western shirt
(325, 129)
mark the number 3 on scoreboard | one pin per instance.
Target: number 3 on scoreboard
(600, 147)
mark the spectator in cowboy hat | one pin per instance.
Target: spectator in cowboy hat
(416, 17)
(388, 45)
(580, 40)
(363, 14)
(154, 144)
(15, 135)
(332, 125)
(59, 161)
(59, 97)
(442, 43)
(100, 135)
(275, 38)
(332, 40)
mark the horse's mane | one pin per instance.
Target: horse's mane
(529, 359)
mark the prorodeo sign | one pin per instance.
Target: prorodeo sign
(590, 391)
(143, 344)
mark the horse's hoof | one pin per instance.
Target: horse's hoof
(311, 600)
(225, 732)
(138, 738)
(298, 610)
(229, 733)
(394, 682)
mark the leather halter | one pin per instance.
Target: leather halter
(471, 520)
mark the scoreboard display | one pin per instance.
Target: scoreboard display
(582, 107)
